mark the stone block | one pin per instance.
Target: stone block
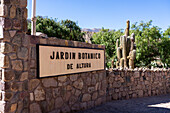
(34, 39)
(86, 97)
(23, 3)
(13, 11)
(24, 76)
(12, 56)
(13, 107)
(16, 86)
(33, 83)
(78, 84)
(17, 65)
(33, 52)
(22, 53)
(49, 82)
(43, 41)
(56, 92)
(25, 13)
(12, 33)
(35, 108)
(17, 39)
(6, 62)
(39, 94)
(94, 96)
(73, 77)
(6, 36)
(31, 97)
(58, 102)
(9, 75)
(140, 93)
(62, 78)
(17, 24)
(67, 96)
(25, 40)
(8, 96)
(24, 25)
(7, 24)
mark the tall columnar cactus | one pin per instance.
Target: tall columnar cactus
(126, 52)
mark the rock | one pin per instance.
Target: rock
(12, 33)
(86, 97)
(35, 108)
(73, 77)
(9, 75)
(62, 78)
(43, 41)
(6, 36)
(8, 96)
(69, 87)
(33, 84)
(56, 92)
(16, 86)
(39, 94)
(17, 65)
(16, 24)
(75, 107)
(12, 11)
(19, 107)
(6, 62)
(13, 56)
(7, 24)
(73, 100)
(25, 65)
(98, 101)
(49, 82)
(140, 93)
(67, 96)
(13, 107)
(23, 3)
(17, 39)
(77, 93)
(22, 53)
(65, 108)
(58, 102)
(24, 76)
(91, 89)
(78, 84)
(33, 53)
(83, 105)
(94, 96)
(31, 97)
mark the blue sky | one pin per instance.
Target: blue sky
(111, 14)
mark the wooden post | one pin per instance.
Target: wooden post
(33, 18)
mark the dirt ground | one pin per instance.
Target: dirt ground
(154, 104)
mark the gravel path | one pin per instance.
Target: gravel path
(155, 104)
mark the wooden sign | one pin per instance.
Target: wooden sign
(62, 60)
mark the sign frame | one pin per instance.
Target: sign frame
(38, 60)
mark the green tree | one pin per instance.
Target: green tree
(164, 48)
(66, 29)
(147, 38)
(107, 38)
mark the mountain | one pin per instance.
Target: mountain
(91, 30)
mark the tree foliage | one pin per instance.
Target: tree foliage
(66, 29)
(107, 38)
(152, 45)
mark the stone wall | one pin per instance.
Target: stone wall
(22, 92)
(125, 84)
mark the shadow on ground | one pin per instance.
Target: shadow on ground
(154, 104)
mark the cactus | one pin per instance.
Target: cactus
(126, 52)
